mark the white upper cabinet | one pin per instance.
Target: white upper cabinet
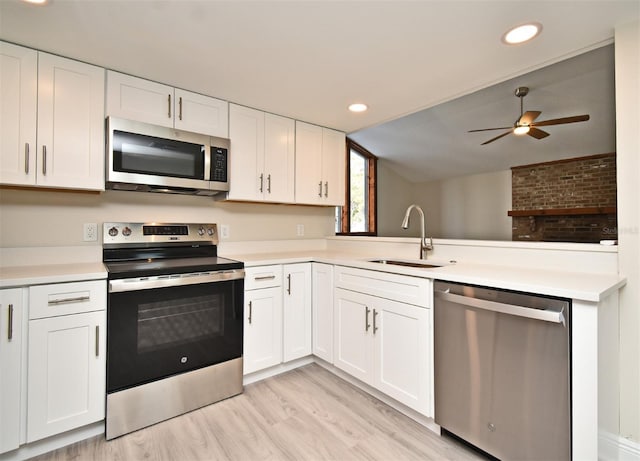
(70, 123)
(134, 98)
(61, 142)
(320, 165)
(262, 156)
(19, 96)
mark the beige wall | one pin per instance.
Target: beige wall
(627, 58)
(467, 207)
(52, 218)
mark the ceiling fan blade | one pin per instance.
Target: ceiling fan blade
(561, 121)
(528, 117)
(489, 129)
(536, 133)
(497, 137)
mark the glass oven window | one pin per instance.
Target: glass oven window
(136, 153)
(166, 324)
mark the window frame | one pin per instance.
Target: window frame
(372, 196)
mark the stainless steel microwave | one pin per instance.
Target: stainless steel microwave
(150, 158)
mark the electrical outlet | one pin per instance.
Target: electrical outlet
(90, 232)
(300, 230)
(224, 231)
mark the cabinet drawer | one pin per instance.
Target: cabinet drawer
(67, 298)
(402, 288)
(262, 277)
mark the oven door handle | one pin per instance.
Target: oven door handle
(162, 281)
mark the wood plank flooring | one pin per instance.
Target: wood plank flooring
(305, 414)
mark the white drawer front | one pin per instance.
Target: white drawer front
(67, 298)
(402, 288)
(262, 277)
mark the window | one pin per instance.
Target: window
(359, 216)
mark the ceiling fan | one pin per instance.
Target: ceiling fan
(526, 123)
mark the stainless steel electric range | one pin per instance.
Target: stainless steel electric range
(174, 322)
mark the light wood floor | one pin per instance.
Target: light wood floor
(305, 414)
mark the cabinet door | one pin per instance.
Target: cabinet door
(201, 114)
(333, 167)
(402, 352)
(262, 329)
(353, 334)
(309, 185)
(297, 311)
(70, 124)
(18, 93)
(322, 305)
(246, 131)
(279, 159)
(10, 367)
(66, 373)
(134, 98)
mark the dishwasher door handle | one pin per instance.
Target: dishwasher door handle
(553, 316)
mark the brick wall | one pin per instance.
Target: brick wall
(583, 182)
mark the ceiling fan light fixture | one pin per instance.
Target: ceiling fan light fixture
(522, 129)
(358, 107)
(522, 33)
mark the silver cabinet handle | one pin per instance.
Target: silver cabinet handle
(26, 158)
(366, 318)
(261, 182)
(289, 283)
(79, 299)
(10, 323)
(326, 189)
(320, 189)
(97, 340)
(169, 106)
(548, 315)
(265, 277)
(44, 160)
(250, 311)
(180, 107)
(375, 328)
(269, 183)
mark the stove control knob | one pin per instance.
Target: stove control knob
(201, 231)
(211, 231)
(113, 231)
(126, 232)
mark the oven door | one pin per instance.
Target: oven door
(166, 325)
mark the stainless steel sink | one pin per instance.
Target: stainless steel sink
(398, 262)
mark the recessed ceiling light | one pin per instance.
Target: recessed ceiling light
(522, 33)
(36, 2)
(358, 107)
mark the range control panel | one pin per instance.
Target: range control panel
(118, 233)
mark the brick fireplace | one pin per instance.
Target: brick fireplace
(571, 200)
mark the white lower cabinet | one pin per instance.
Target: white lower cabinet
(67, 357)
(11, 311)
(322, 306)
(385, 343)
(296, 311)
(262, 318)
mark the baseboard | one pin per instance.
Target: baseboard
(54, 442)
(612, 447)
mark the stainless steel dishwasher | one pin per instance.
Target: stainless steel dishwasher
(502, 370)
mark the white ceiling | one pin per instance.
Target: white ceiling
(310, 59)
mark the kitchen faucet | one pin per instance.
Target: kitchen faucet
(424, 246)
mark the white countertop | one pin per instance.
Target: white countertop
(17, 276)
(575, 285)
